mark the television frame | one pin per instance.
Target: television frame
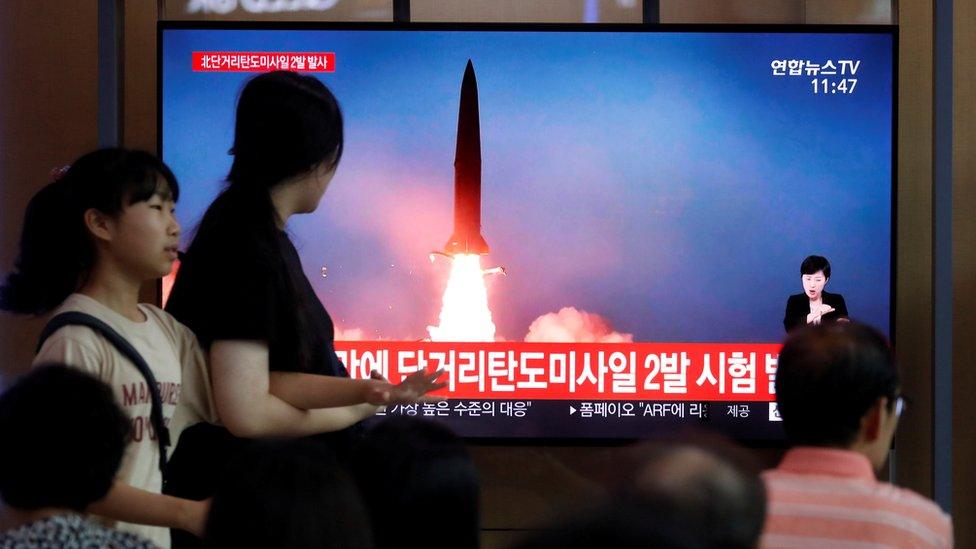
(890, 30)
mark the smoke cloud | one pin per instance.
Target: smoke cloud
(571, 325)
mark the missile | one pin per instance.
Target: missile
(467, 238)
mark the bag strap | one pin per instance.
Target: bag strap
(127, 350)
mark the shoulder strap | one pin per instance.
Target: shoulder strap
(127, 350)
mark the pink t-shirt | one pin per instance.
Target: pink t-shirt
(824, 497)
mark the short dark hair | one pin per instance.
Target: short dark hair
(287, 493)
(63, 437)
(828, 377)
(704, 485)
(407, 466)
(813, 264)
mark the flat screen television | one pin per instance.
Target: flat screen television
(594, 229)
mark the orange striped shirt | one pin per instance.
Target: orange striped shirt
(824, 497)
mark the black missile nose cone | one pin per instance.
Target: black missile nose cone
(469, 126)
(469, 74)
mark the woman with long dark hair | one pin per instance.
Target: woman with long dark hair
(242, 290)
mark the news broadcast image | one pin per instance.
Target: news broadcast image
(593, 233)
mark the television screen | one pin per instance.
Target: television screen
(595, 230)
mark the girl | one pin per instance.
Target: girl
(241, 289)
(89, 241)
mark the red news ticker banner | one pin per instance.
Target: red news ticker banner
(577, 371)
(254, 61)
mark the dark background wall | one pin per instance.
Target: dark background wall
(48, 116)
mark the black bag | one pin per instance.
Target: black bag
(127, 350)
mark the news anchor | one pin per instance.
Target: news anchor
(814, 305)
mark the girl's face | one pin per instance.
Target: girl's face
(813, 284)
(314, 185)
(144, 237)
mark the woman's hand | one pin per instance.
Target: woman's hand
(816, 316)
(414, 388)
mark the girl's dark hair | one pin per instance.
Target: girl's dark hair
(287, 493)
(56, 249)
(287, 124)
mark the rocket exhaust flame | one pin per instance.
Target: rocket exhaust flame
(464, 314)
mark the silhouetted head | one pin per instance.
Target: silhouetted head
(63, 436)
(712, 491)
(288, 125)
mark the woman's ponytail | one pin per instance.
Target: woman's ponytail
(54, 253)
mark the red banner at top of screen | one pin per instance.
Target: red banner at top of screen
(254, 61)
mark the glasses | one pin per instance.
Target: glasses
(901, 403)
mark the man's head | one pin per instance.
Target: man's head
(691, 492)
(710, 488)
(62, 436)
(837, 386)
